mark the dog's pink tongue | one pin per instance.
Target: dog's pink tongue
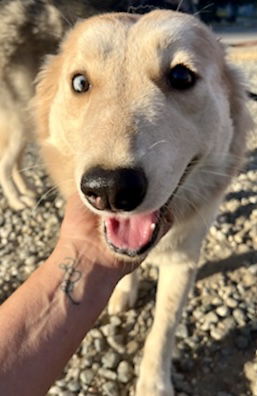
(131, 233)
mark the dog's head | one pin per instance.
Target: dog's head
(143, 116)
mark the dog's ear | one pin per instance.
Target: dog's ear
(46, 88)
(240, 115)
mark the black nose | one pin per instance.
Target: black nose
(120, 189)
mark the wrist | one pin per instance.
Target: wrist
(85, 258)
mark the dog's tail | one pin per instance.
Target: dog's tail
(252, 95)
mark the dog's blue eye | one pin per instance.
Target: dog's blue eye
(80, 83)
(181, 78)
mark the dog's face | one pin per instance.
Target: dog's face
(144, 118)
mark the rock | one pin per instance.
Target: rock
(182, 331)
(59, 203)
(31, 261)
(115, 321)
(110, 360)
(230, 302)
(74, 386)
(253, 269)
(239, 316)
(86, 362)
(109, 329)
(227, 325)
(209, 319)
(116, 342)
(217, 333)
(132, 347)
(54, 391)
(249, 279)
(216, 301)
(110, 389)
(222, 311)
(107, 373)
(125, 372)
(99, 344)
(95, 333)
(86, 376)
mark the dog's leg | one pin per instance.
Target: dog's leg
(178, 268)
(175, 281)
(18, 199)
(124, 295)
(27, 194)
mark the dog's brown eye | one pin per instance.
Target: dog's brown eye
(80, 83)
(181, 78)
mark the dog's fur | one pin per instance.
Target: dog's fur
(130, 116)
(30, 29)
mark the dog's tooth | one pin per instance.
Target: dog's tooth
(153, 225)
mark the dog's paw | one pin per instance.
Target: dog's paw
(28, 200)
(20, 201)
(121, 301)
(150, 387)
(16, 203)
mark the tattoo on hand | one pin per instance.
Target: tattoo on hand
(71, 277)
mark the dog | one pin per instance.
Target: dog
(30, 29)
(146, 119)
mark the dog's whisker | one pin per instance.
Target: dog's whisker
(191, 195)
(204, 9)
(146, 151)
(44, 196)
(196, 210)
(179, 5)
(162, 141)
(189, 188)
(48, 192)
(215, 173)
(176, 212)
(69, 23)
(23, 170)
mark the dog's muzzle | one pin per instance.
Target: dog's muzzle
(119, 192)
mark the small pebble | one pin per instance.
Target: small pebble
(222, 311)
(125, 372)
(87, 376)
(108, 374)
(110, 389)
(110, 360)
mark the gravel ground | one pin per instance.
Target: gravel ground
(216, 340)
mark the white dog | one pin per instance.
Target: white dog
(147, 120)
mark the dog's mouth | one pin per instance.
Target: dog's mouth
(135, 235)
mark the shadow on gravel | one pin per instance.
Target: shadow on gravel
(229, 264)
(219, 366)
(225, 360)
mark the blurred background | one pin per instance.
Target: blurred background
(210, 11)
